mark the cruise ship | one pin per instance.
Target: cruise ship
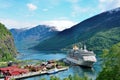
(81, 57)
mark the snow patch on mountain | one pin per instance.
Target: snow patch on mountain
(114, 10)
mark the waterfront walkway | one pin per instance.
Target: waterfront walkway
(30, 74)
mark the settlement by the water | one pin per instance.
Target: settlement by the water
(16, 72)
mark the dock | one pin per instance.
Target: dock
(31, 74)
(62, 69)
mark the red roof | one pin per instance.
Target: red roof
(12, 73)
(8, 68)
(13, 70)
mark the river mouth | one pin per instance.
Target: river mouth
(50, 55)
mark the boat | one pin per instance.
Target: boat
(81, 57)
(52, 71)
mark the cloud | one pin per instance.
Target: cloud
(107, 5)
(77, 10)
(10, 23)
(59, 24)
(31, 6)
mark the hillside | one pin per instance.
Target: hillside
(39, 32)
(111, 64)
(98, 32)
(33, 35)
(7, 47)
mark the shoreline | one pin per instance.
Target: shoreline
(32, 74)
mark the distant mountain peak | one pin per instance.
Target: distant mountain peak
(37, 33)
(114, 10)
(50, 28)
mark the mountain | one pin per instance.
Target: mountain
(98, 32)
(39, 32)
(7, 47)
(33, 35)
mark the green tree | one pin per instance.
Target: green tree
(66, 79)
(76, 77)
(111, 64)
(54, 78)
(70, 77)
(43, 79)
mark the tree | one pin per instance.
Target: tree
(111, 64)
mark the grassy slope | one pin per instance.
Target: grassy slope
(103, 39)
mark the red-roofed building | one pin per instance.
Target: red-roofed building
(13, 70)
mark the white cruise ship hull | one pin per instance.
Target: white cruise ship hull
(80, 62)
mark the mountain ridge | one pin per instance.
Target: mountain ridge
(35, 32)
(33, 36)
(82, 32)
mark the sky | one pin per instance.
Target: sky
(60, 13)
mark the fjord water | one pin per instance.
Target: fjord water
(27, 54)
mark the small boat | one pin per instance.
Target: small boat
(52, 71)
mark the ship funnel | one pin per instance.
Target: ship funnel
(75, 48)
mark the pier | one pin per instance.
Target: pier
(31, 74)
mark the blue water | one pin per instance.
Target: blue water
(43, 55)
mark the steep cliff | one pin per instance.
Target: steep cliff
(7, 47)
